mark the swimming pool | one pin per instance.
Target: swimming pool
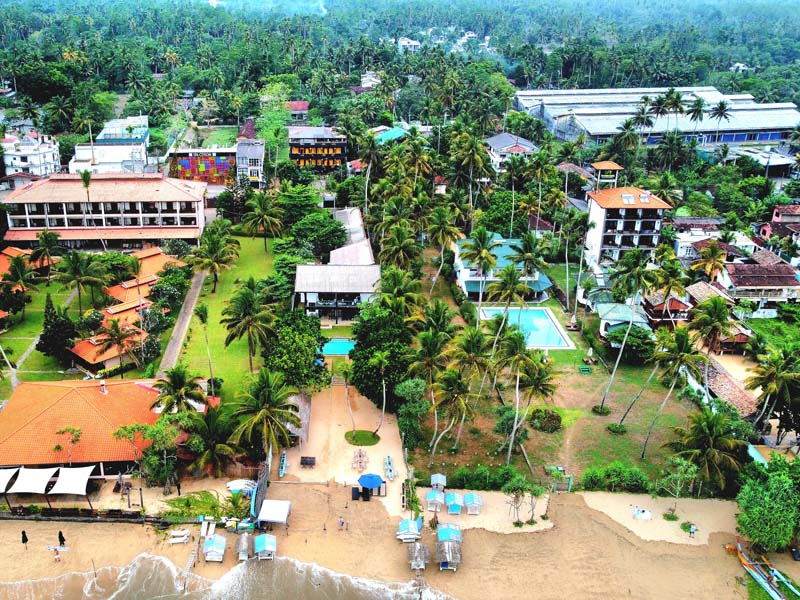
(338, 347)
(540, 326)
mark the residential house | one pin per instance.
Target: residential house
(762, 283)
(665, 312)
(702, 290)
(120, 147)
(471, 280)
(384, 135)
(503, 146)
(31, 154)
(318, 148)
(370, 80)
(250, 161)
(540, 226)
(37, 410)
(152, 261)
(119, 210)
(689, 242)
(615, 315)
(17, 180)
(298, 110)
(785, 222)
(624, 218)
(405, 44)
(335, 291)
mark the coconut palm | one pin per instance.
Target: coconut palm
(428, 363)
(776, 375)
(721, 110)
(400, 248)
(507, 289)
(264, 409)
(79, 270)
(215, 253)
(674, 103)
(399, 291)
(264, 216)
(632, 279)
(517, 358)
(201, 312)
(711, 260)
(576, 224)
(246, 316)
(179, 391)
(119, 337)
(711, 319)
(469, 355)
(213, 429)
(663, 338)
(528, 253)
(516, 169)
(479, 250)
(642, 118)
(707, 442)
(670, 280)
(442, 232)
(47, 247)
(659, 107)
(380, 360)
(696, 111)
(540, 168)
(438, 318)
(369, 154)
(451, 391)
(21, 277)
(678, 357)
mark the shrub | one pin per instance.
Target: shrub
(617, 429)
(685, 526)
(469, 313)
(600, 410)
(545, 419)
(458, 296)
(670, 516)
(481, 477)
(615, 477)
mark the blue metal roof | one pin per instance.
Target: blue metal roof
(390, 135)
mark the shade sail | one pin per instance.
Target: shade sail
(274, 511)
(73, 480)
(32, 481)
(370, 480)
(448, 532)
(5, 477)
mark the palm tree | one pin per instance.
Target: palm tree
(711, 321)
(479, 250)
(380, 360)
(179, 391)
(671, 149)
(631, 279)
(528, 253)
(471, 155)
(721, 110)
(674, 102)
(438, 318)
(442, 232)
(215, 253)
(708, 443)
(678, 357)
(428, 363)
(711, 261)
(659, 107)
(370, 154)
(671, 280)
(696, 111)
(577, 225)
(540, 168)
(468, 354)
(264, 215)
(642, 118)
(213, 429)
(78, 269)
(399, 290)
(452, 394)
(264, 409)
(47, 247)
(246, 316)
(119, 337)
(508, 288)
(517, 359)
(201, 312)
(20, 276)
(776, 375)
(400, 248)
(663, 338)
(516, 168)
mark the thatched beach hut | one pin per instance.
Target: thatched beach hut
(418, 554)
(448, 555)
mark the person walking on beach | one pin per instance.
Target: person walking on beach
(341, 523)
(692, 529)
(61, 539)
(25, 539)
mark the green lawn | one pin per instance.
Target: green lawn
(229, 363)
(221, 136)
(776, 331)
(339, 331)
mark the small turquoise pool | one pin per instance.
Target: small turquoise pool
(539, 325)
(338, 347)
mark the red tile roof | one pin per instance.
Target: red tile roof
(538, 224)
(297, 105)
(613, 198)
(36, 410)
(787, 209)
(781, 275)
(131, 290)
(152, 261)
(89, 350)
(731, 250)
(765, 257)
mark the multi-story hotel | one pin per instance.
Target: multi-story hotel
(319, 148)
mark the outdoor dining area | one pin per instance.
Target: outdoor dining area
(360, 460)
(370, 484)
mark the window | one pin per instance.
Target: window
(255, 162)
(254, 173)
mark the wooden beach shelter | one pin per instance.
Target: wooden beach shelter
(434, 500)
(418, 555)
(448, 555)
(474, 503)
(265, 546)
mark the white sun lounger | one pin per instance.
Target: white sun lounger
(212, 527)
(179, 533)
(178, 540)
(203, 529)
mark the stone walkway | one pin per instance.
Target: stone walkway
(173, 349)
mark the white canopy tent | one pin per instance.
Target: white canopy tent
(73, 480)
(33, 481)
(275, 511)
(5, 477)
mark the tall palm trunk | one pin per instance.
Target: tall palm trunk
(580, 274)
(460, 430)
(366, 190)
(208, 353)
(516, 420)
(710, 343)
(539, 206)
(250, 350)
(438, 271)
(566, 261)
(383, 407)
(439, 439)
(616, 363)
(639, 395)
(435, 417)
(513, 206)
(658, 414)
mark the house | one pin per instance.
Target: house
(614, 315)
(33, 154)
(335, 291)
(597, 113)
(123, 210)
(624, 218)
(763, 284)
(703, 290)
(502, 146)
(356, 167)
(247, 131)
(298, 110)
(785, 223)
(695, 250)
(318, 148)
(384, 135)
(37, 410)
(250, 161)
(735, 341)
(120, 147)
(17, 180)
(662, 311)
(439, 185)
(690, 240)
(471, 280)
(9, 252)
(539, 225)
(370, 80)
(89, 355)
(405, 44)
(152, 261)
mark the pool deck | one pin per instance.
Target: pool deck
(568, 343)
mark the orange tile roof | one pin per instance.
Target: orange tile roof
(152, 261)
(613, 198)
(3, 314)
(89, 350)
(131, 290)
(36, 410)
(127, 313)
(607, 165)
(107, 233)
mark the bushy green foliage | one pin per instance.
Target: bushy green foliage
(412, 411)
(482, 477)
(295, 349)
(615, 477)
(297, 201)
(639, 347)
(321, 231)
(58, 333)
(545, 419)
(497, 216)
(120, 267)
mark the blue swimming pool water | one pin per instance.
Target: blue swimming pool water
(338, 347)
(538, 325)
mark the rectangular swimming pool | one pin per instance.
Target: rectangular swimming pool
(539, 325)
(338, 347)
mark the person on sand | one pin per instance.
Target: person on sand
(25, 539)
(341, 523)
(61, 540)
(692, 530)
(56, 556)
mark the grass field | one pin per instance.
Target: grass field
(228, 363)
(220, 136)
(776, 331)
(338, 331)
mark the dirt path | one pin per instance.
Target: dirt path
(173, 349)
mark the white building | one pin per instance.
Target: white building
(502, 146)
(405, 44)
(686, 242)
(624, 218)
(121, 147)
(32, 154)
(250, 160)
(370, 80)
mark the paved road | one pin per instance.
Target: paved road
(173, 349)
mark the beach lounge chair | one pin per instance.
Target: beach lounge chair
(282, 467)
(212, 527)
(265, 546)
(178, 540)
(179, 533)
(203, 530)
(585, 370)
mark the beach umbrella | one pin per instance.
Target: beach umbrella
(370, 481)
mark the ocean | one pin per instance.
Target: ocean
(150, 577)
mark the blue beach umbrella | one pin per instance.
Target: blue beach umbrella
(370, 481)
